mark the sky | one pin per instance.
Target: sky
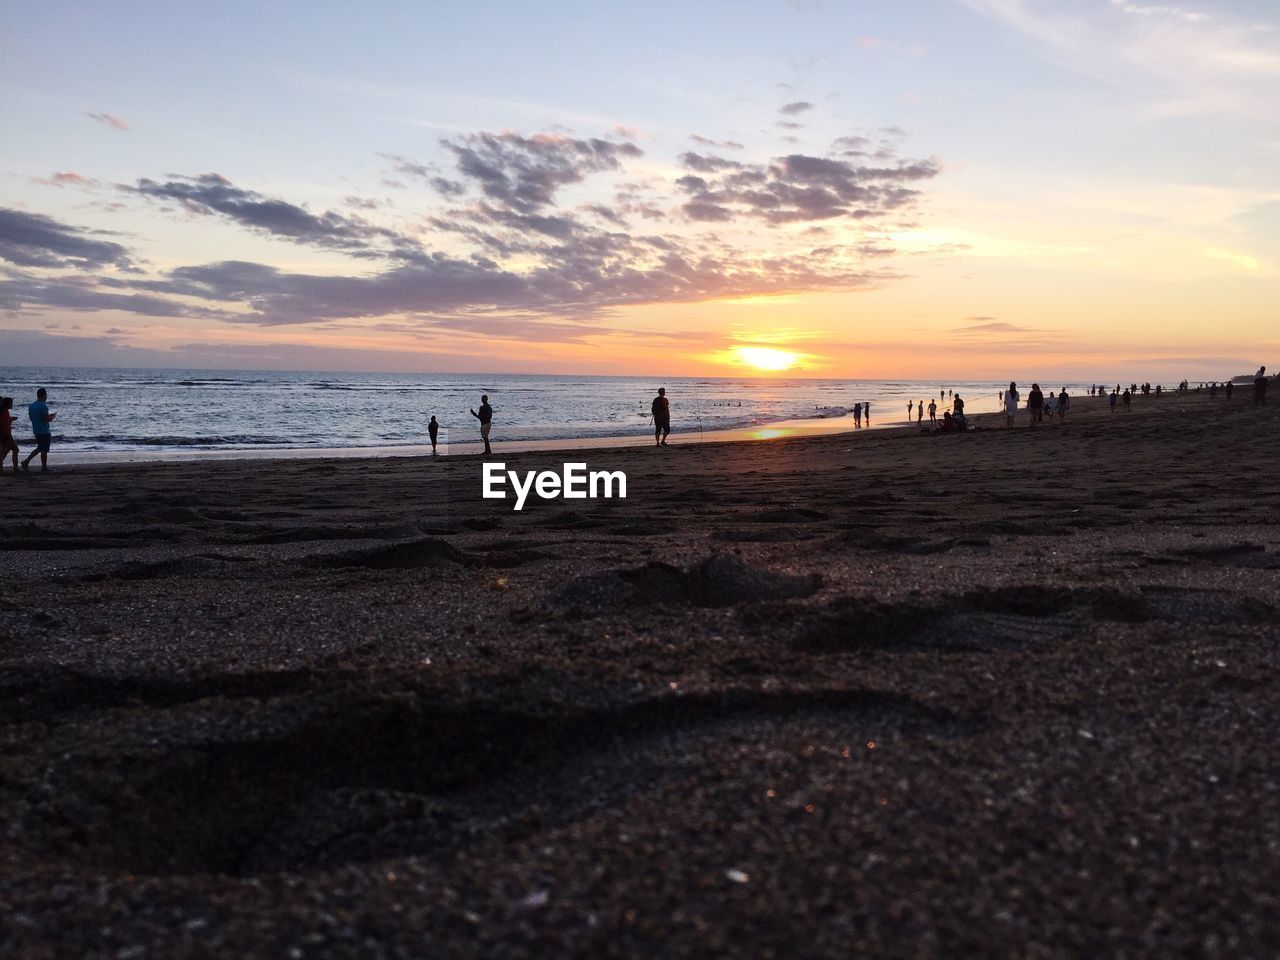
(962, 189)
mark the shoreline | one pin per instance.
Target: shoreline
(767, 432)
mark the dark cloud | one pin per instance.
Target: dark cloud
(109, 119)
(79, 292)
(798, 187)
(720, 144)
(409, 168)
(705, 163)
(796, 107)
(788, 125)
(524, 173)
(213, 194)
(521, 261)
(448, 188)
(34, 240)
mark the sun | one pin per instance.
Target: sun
(766, 358)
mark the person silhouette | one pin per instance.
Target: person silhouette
(485, 416)
(433, 428)
(661, 409)
(1260, 387)
(7, 443)
(40, 420)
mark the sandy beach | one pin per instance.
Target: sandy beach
(992, 694)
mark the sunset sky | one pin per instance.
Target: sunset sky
(947, 188)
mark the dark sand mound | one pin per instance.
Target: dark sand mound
(718, 581)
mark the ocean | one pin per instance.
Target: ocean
(158, 413)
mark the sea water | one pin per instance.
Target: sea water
(163, 411)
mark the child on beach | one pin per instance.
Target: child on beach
(7, 443)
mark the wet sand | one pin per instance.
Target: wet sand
(1004, 693)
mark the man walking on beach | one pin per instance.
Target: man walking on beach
(433, 428)
(40, 420)
(661, 408)
(1260, 387)
(485, 416)
(1035, 404)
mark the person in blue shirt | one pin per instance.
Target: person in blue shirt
(40, 420)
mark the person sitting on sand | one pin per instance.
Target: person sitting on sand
(7, 443)
(933, 413)
(40, 420)
(485, 416)
(1011, 398)
(948, 422)
(433, 429)
(661, 409)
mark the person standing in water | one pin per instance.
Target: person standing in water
(857, 414)
(433, 428)
(485, 416)
(661, 409)
(866, 412)
(40, 420)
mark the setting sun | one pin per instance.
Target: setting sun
(766, 358)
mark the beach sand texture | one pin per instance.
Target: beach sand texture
(996, 694)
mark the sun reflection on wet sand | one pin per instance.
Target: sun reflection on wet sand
(772, 433)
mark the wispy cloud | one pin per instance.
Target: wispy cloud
(1184, 61)
(109, 119)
